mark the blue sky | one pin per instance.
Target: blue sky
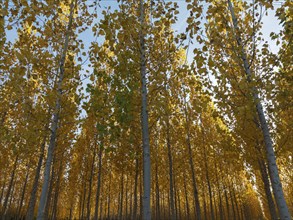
(270, 24)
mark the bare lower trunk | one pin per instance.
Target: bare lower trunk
(83, 197)
(109, 197)
(90, 187)
(191, 164)
(266, 182)
(209, 184)
(22, 195)
(32, 201)
(126, 198)
(2, 190)
(121, 197)
(204, 202)
(221, 211)
(98, 183)
(172, 205)
(158, 212)
(56, 193)
(5, 205)
(135, 189)
(271, 158)
(186, 198)
(227, 202)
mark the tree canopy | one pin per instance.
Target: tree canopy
(113, 113)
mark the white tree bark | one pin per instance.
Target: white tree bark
(144, 121)
(54, 125)
(271, 158)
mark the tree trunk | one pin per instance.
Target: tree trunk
(57, 189)
(99, 183)
(51, 183)
(271, 158)
(109, 197)
(144, 119)
(101, 203)
(83, 196)
(178, 207)
(135, 189)
(236, 202)
(209, 183)
(221, 212)
(227, 202)
(90, 187)
(204, 202)
(11, 200)
(266, 182)
(126, 197)
(3, 187)
(171, 181)
(19, 216)
(54, 126)
(158, 214)
(32, 201)
(232, 203)
(186, 197)
(195, 192)
(10, 187)
(121, 196)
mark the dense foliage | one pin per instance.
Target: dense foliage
(122, 125)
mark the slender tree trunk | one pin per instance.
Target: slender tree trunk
(271, 158)
(80, 205)
(140, 197)
(163, 205)
(135, 189)
(126, 198)
(56, 193)
(121, 196)
(221, 212)
(158, 210)
(2, 190)
(18, 216)
(32, 201)
(11, 200)
(10, 186)
(209, 184)
(227, 202)
(178, 208)
(186, 197)
(131, 200)
(90, 186)
(99, 183)
(204, 202)
(109, 197)
(158, 214)
(54, 126)
(195, 192)
(171, 181)
(215, 206)
(236, 203)
(232, 202)
(83, 197)
(101, 203)
(266, 182)
(144, 119)
(51, 183)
